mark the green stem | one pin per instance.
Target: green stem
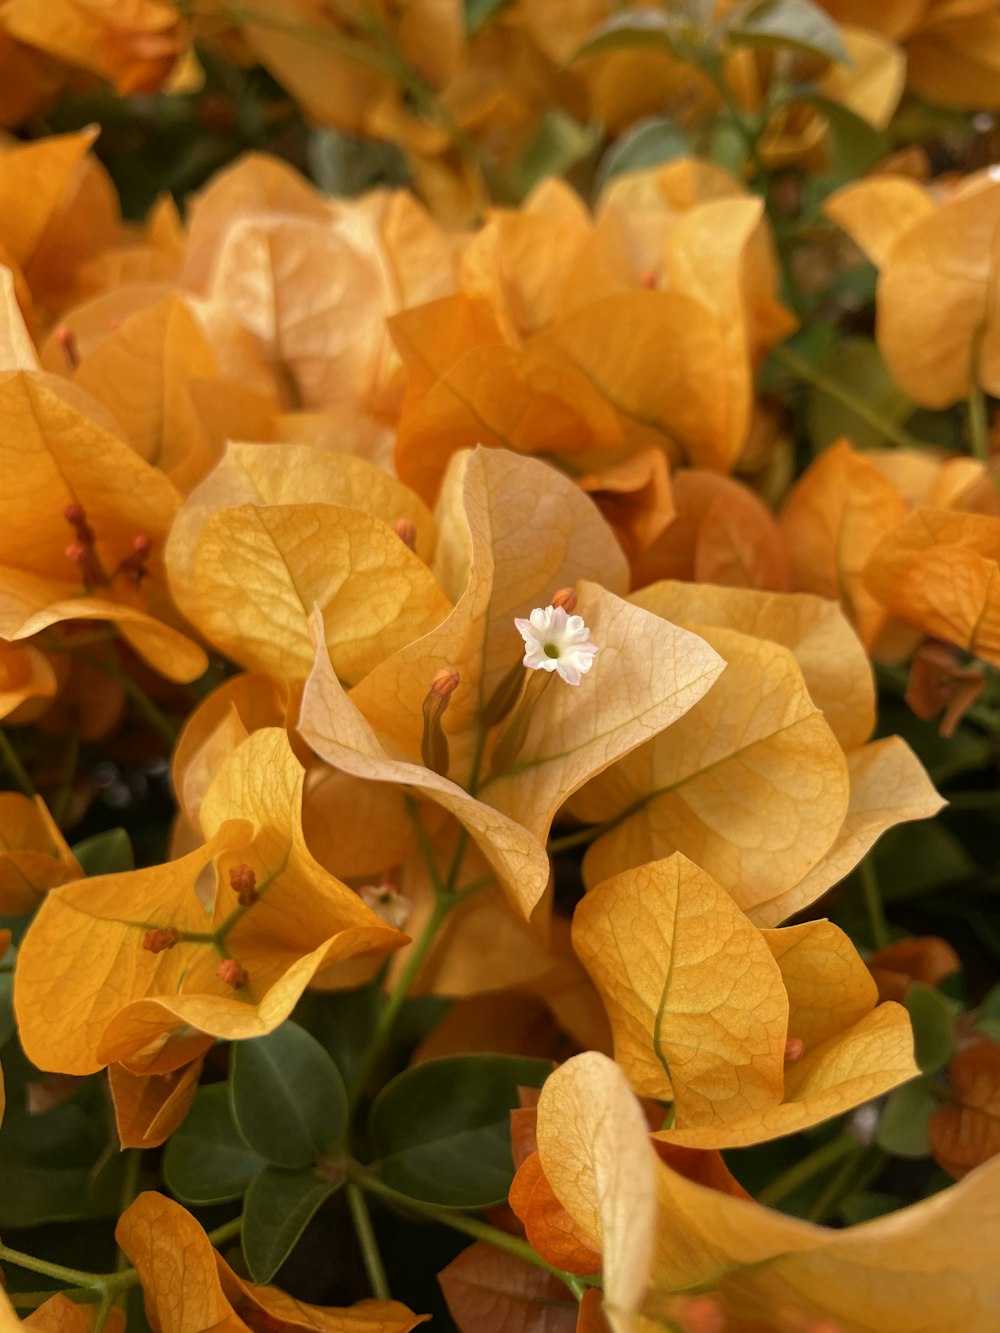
(12, 762)
(365, 1233)
(390, 1010)
(130, 1188)
(469, 1226)
(60, 802)
(151, 712)
(802, 369)
(850, 1175)
(803, 1172)
(228, 1231)
(873, 903)
(70, 1277)
(979, 426)
(103, 1310)
(578, 839)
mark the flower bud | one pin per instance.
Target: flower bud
(243, 882)
(232, 973)
(794, 1050)
(505, 696)
(155, 941)
(78, 553)
(406, 530)
(434, 744)
(566, 598)
(68, 345)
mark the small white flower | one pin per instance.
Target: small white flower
(557, 642)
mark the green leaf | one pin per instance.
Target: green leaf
(649, 142)
(857, 365)
(288, 1097)
(558, 145)
(795, 23)
(278, 1208)
(207, 1160)
(933, 1031)
(922, 858)
(107, 853)
(635, 28)
(864, 1205)
(854, 143)
(902, 1128)
(441, 1131)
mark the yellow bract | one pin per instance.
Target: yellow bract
(150, 1010)
(702, 1004)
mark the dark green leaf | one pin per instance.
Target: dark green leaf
(441, 1131)
(107, 853)
(795, 23)
(856, 365)
(206, 1160)
(289, 1099)
(919, 859)
(279, 1206)
(854, 143)
(902, 1128)
(632, 29)
(933, 1030)
(649, 142)
(863, 1205)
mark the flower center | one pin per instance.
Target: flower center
(550, 649)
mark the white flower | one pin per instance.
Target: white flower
(557, 642)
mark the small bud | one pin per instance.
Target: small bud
(78, 553)
(700, 1314)
(794, 1050)
(155, 941)
(136, 562)
(76, 517)
(232, 973)
(406, 530)
(648, 279)
(392, 907)
(434, 744)
(566, 598)
(243, 883)
(66, 339)
(505, 696)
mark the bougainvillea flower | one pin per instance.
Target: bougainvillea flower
(188, 1287)
(149, 1107)
(25, 674)
(134, 48)
(511, 533)
(939, 571)
(781, 731)
(722, 533)
(70, 477)
(661, 1233)
(936, 273)
(33, 854)
(965, 1130)
(703, 1006)
(160, 934)
(275, 531)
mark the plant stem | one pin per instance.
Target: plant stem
(228, 1231)
(802, 1172)
(873, 903)
(979, 426)
(850, 1175)
(390, 1010)
(130, 1188)
(365, 1233)
(12, 762)
(578, 839)
(469, 1226)
(150, 711)
(60, 802)
(70, 1277)
(802, 369)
